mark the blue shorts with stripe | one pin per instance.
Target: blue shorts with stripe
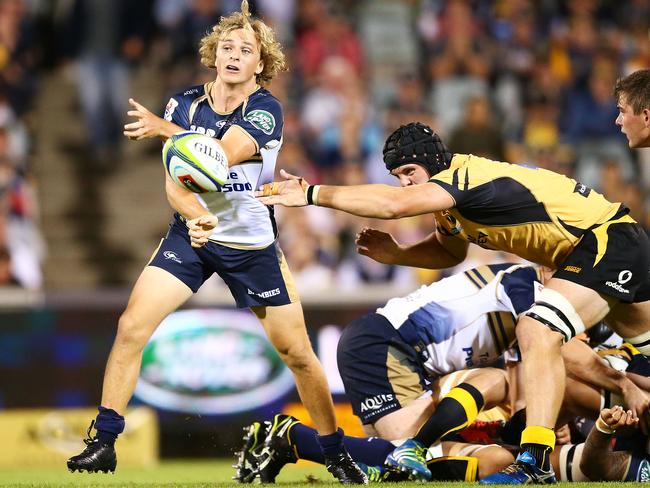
(258, 277)
(381, 373)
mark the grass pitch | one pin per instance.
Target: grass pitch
(194, 474)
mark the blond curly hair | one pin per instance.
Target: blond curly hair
(270, 49)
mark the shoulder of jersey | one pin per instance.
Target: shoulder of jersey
(191, 93)
(264, 96)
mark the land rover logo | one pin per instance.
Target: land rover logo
(211, 362)
(262, 120)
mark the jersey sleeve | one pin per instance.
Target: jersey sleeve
(519, 285)
(263, 120)
(466, 186)
(177, 111)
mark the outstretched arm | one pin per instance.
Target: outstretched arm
(434, 252)
(584, 364)
(376, 201)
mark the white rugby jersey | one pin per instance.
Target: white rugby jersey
(466, 320)
(243, 220)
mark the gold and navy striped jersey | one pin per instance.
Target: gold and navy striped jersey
(534, 213)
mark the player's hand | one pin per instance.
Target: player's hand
(563, 435)
(638, 402)
(290, 193)
(146, 126)
(377, 245)
(200, 229)
(616, 417)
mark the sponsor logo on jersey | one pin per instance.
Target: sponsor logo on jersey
(171, 255)
(480, 239)
(181, 371)
(583, 190)
(190, 91)
(169, 109)
(375, 402)
(262, 120)
(573, 269)
(623, 277)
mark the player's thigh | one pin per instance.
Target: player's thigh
(155, 295)
(405, 422)
(630, 319)
(589, 304)
(284, 326)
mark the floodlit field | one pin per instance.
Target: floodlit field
(188, 474)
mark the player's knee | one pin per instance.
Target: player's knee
(532, 334)
(296, 357)
(130, 331)
(555, 312)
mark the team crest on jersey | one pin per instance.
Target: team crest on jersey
(169, 109)
(262, 120)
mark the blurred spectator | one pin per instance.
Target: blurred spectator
(408, 103)
(104, 37)
(309, 273)
(478, 134)
(322, 35)
(459, 63)
(6, 276)
(338, 119)
(21, 235)
(588, 118)
(19, 55)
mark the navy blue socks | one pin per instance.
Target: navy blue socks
(109, 425)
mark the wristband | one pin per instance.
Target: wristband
(312, 194)
(602, 426)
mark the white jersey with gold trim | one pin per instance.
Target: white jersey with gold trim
(467, 320)
(244, 222)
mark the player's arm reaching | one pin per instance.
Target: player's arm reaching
(583, 363)
(598, 460)
(435, 251)
(236, 142)
(376, 201)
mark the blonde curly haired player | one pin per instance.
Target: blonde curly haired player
(227, 232)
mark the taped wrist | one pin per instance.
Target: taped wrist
(311, 192)
(602, 426)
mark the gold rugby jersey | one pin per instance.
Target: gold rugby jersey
(534, 213)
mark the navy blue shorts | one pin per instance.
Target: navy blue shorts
(257, 277)
(380, 372)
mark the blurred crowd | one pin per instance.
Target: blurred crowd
(525, 81)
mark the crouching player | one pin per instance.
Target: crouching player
(389, 362)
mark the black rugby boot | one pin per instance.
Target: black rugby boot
(97, 456)
(344, 469)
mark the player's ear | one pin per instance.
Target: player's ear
(260, 67)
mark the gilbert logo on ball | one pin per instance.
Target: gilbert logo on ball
(195, 161)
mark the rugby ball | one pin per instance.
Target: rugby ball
(195, 162)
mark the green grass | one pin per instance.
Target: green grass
(192, 474)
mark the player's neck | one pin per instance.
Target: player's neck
(226, 97)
